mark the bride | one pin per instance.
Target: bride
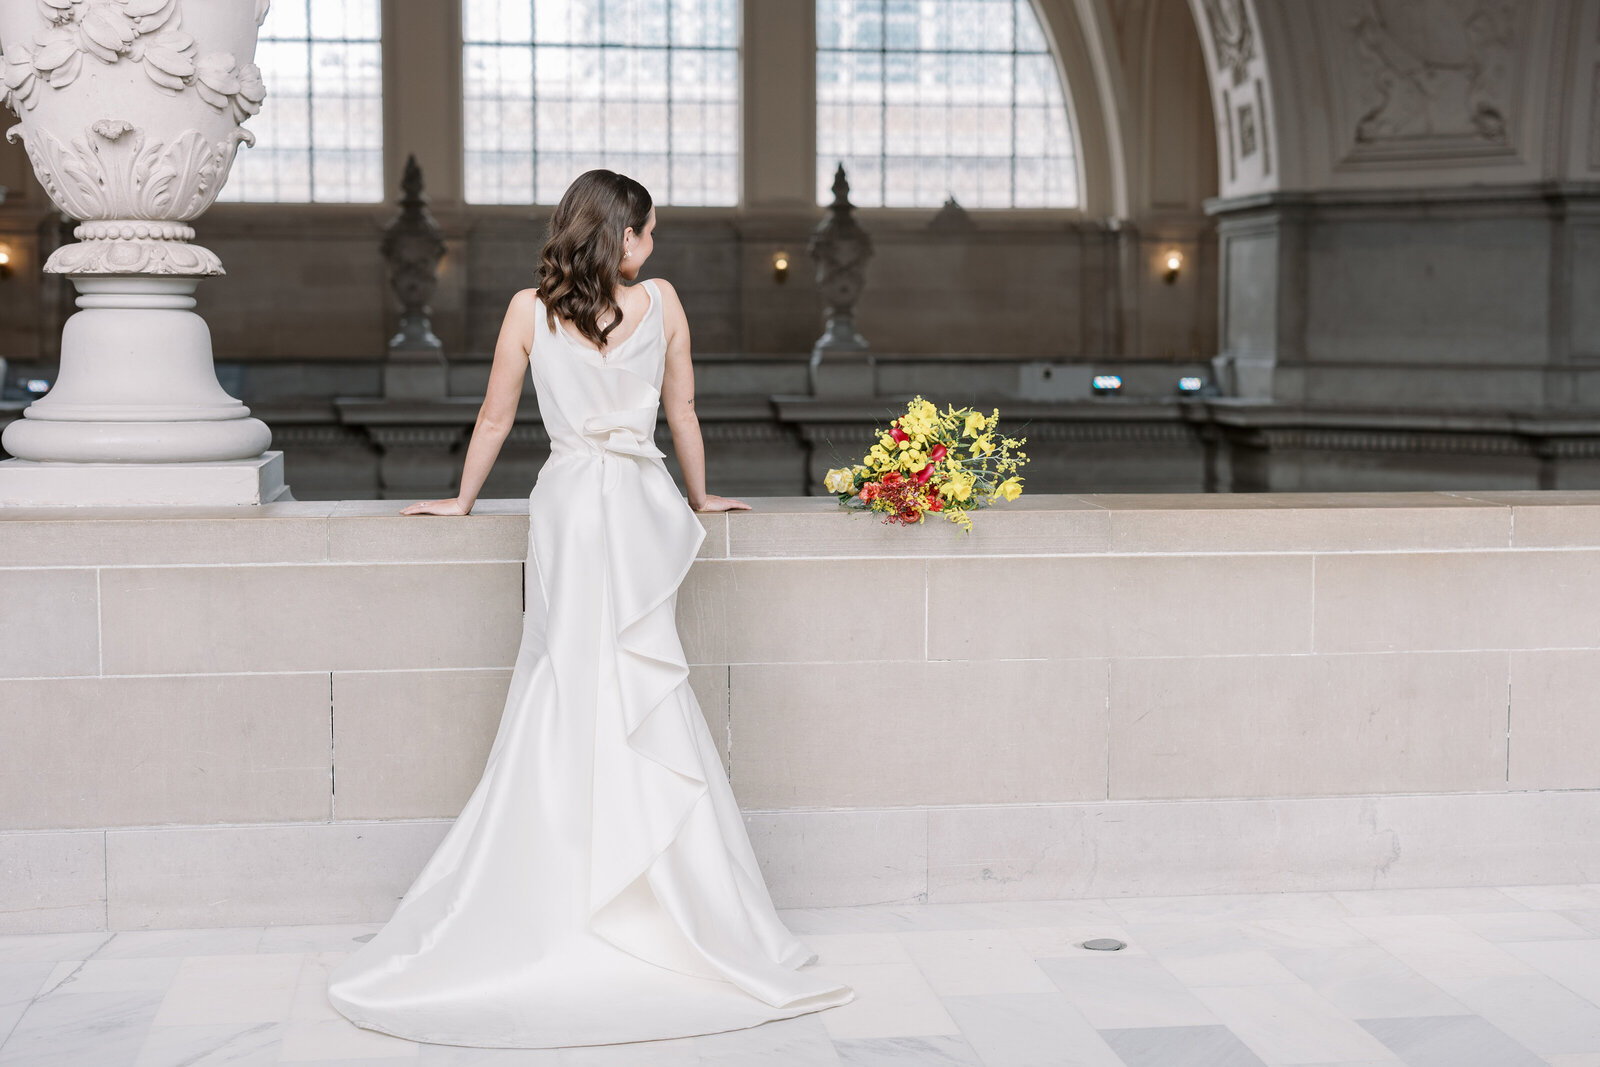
(599, 885)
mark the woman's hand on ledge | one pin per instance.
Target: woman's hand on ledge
(713, 502)
(453, 506)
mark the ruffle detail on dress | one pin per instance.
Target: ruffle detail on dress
(652, 758)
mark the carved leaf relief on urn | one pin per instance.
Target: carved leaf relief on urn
(110, 153)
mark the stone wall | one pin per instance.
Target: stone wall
(269, 715)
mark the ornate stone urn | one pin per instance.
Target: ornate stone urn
(130, 113)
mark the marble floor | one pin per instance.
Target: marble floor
(1472, 977)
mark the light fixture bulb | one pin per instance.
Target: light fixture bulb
(1174, 261)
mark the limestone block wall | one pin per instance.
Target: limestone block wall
(214, 717)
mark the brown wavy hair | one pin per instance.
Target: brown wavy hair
(579, 267)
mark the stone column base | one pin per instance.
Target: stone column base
(30, 483)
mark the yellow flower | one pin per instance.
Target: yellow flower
(982, 444)
(976, 424)
(1011, 488)
(840, 480)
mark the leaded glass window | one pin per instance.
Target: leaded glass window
(319, 136)
(927, 99)
(553, 88)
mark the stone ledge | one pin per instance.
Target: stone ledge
(372, 531)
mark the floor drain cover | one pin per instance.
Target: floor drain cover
(1105, 944)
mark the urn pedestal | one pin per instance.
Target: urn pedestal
(130, 114)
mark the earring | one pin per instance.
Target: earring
(627, 255)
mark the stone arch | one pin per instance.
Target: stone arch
(1250, 154)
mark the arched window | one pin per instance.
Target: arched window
(319, 136)
(556, 87)
(925, 99)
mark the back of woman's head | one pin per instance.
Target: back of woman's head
(579, 267)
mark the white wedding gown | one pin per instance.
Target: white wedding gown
(599, 885)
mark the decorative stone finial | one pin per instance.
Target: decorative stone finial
(951, 218)
(841, 249)
(413, 244)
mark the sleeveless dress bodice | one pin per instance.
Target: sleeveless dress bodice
(599, 884)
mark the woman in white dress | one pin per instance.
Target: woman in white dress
(599, 885)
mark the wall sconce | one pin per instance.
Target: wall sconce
(1173, 262)
(5, 261)
(780, 267)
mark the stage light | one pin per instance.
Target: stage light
(37, 385)
(1191, 384)
(1107, 384)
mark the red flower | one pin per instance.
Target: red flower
(938, 453)
(924, 474)
(899, 435)
(869, 492)
(893, 478)
(935, 502)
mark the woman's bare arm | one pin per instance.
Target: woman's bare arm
(499, 408)
(677, 401)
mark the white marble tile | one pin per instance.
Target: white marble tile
(1195, 937)
(1588, 918)
(19, 983)
(1212, 1046)
(1244, 967)
(461, 1056)
(975, 962)
(218, 941)
(892, 1000)
(631, 1054)
(339, 1039)
(1056, 942)
(802, 1041)
(1522, 926)
(1576, 1059)
(230, 1044)
(1030, 1030)
(1126, 993)
(935, 1051)
(110, 976)
(1436, 946)
(1537, 1011)
(333, 938)
(1555, 897)
(1427, 901)
(1303, 933)
(1290, 1023)
(231, 989)
(1366, 982)
(78, 1029)
(310, 1001)
(857, 948)
(30, 948)
(1450, 1041)
(1575, 964)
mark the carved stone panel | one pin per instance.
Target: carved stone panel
(1426, 79)
(1232, 36)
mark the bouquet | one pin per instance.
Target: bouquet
(947, 463)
